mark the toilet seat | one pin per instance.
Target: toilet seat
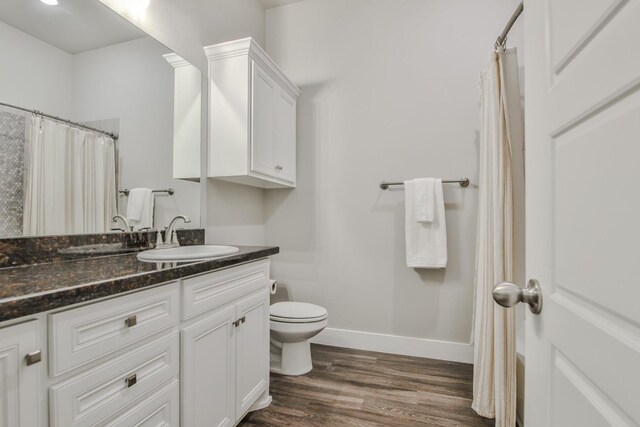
(297, 312)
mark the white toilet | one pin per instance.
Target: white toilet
(293, 324)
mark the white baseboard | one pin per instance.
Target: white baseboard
(393, 344)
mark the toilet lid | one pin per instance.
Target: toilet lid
(297, 310)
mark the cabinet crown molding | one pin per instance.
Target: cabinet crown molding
(175, 60)
(248, 46)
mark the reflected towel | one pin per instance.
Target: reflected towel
(426, 242)
(140, 208)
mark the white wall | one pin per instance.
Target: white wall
(186, 26)
(389, 91)
(34, 74)
(231, 213)
(131, 81)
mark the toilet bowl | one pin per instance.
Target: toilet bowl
(293, 324)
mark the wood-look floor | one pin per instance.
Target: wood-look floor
(361, 388)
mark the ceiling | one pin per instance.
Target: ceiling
(275, 3)
(73, 25)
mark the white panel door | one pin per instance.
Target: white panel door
(19, 388)
(264, 91)
(208, 371)
(583, 149)
(252, 350)
(286, 137)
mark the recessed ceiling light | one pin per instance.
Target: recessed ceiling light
(50, 2)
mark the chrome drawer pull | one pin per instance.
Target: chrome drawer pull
(131, 321)
(33, 357)
(131, 380)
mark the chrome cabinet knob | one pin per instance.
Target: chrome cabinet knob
(131, 380)
(508, 295)
(33, 357)
(131, 321)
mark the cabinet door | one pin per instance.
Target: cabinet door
(286, 137)
(208, 371)
(19, 391)
(264, 92)
(252, 350)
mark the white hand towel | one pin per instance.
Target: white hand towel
(424, 199)
(140, 208)
(426, 242)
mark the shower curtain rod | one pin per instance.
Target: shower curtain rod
(502, 38)
(56, 118)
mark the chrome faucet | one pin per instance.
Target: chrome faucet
(170, 236)
(125, 221)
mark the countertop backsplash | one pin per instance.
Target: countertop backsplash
(19, 251)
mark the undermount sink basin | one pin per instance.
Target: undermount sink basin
(186, 253)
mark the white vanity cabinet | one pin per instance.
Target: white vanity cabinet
(189, 353)
(252, 117)
(227, 346)
(208, 357)
(19, 375)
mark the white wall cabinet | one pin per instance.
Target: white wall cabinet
(252, 117)
(187, 109)
(19, 386)
(138, 359)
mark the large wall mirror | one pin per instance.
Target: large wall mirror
(90, 108)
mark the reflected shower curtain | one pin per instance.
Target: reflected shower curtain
(70, 182)
(494, 377)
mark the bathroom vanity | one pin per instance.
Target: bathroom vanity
(113, 341)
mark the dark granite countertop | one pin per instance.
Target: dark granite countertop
(31, 289)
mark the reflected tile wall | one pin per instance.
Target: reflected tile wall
(12, 137)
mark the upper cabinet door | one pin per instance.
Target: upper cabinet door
(19, 391)
(264, 92)
(286, 137)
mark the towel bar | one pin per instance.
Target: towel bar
(464, 182)
(170, 191)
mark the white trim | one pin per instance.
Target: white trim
(250, 47)
(394, 344)
(175, 60)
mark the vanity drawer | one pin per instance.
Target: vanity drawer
(207, 291)
(86, 399)
(81, 335)
(161, 408)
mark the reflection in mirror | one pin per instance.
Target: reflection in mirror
(87, 123)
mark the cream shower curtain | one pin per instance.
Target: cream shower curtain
(494, 377)
(70, 183)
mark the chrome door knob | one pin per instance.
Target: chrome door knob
(508, 295)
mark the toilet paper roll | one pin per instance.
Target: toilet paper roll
(274, 286)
